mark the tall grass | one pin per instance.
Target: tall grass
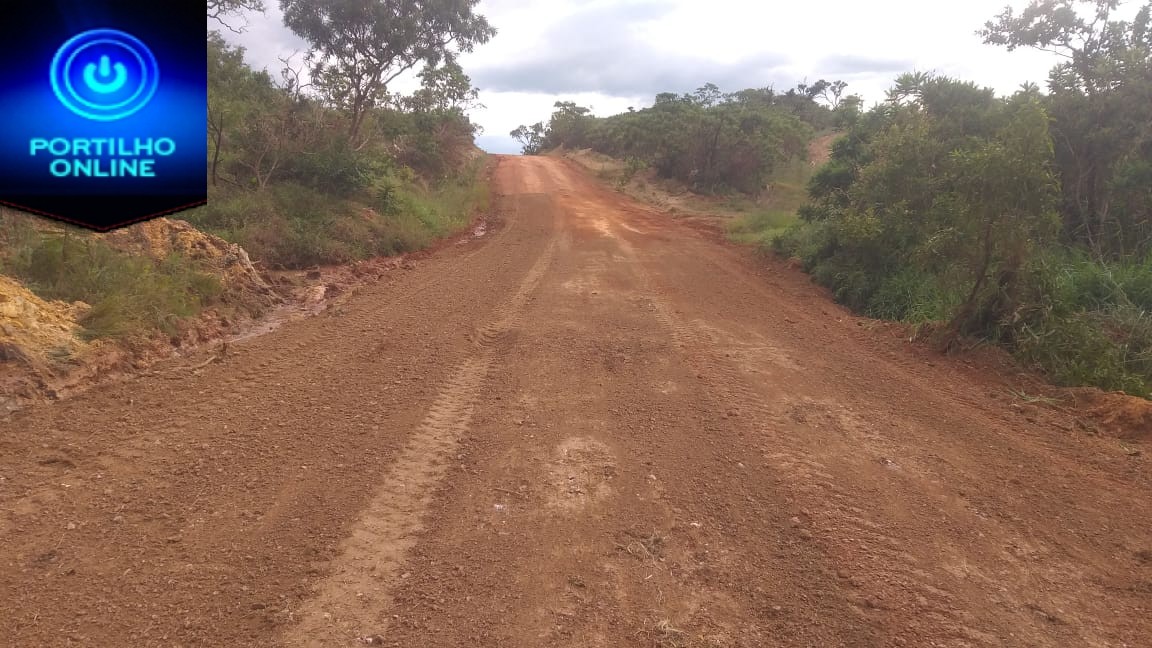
(762, 222)
(294, 226)
(128, 295)
(1089, 323)
(761, 227)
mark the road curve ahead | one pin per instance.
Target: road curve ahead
(594, 426)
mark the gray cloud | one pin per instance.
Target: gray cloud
(498, 144)
(264, 38)
(637, 74)
(601, 50)
(852, 65)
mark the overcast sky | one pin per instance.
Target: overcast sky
(612, 54)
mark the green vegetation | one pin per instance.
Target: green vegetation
(760, 222)
(360, 46)
(345, 170)
(761, 226)
(750, 146)
(295, 226)
(1026, 220)
(300, 174)
(711, 141)
(128, 295)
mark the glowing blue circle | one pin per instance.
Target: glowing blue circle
(67, 75)
(146, 73)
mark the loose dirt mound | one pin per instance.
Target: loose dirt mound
(43, 356)
(35, 335)
(30, 325)
(161, 238)
(1118, 414)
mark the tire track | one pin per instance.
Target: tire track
(350, 604)
(829, 511)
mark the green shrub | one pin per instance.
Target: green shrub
(1085, 283)
(285, 226)
(336, 169)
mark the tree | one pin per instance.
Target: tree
(761, 97)
(438, 130)
(801, 102)
(831, 92)
(219, 10)
(848, 111)
(908, 87)
(1101, 109)
(236, 95)
(531, 138)
(569, 125)
(1055, 26)
(361, 46)
(444, 89)
(256, 128)
(1004, 194)
(707, 95)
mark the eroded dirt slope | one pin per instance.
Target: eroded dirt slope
(592, 426)
(44, 354)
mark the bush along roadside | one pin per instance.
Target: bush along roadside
(136, 285)
(1024, 220)
(80, 305)
(944, 205)
(292, 226)
(287, 183)
(299, 182)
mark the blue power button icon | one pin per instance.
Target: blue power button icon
(104, 75)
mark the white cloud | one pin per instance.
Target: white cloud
(615, 54)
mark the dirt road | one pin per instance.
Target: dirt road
(592, 427)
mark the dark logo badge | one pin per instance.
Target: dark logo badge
(106, 124)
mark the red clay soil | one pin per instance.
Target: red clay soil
(593, 426)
